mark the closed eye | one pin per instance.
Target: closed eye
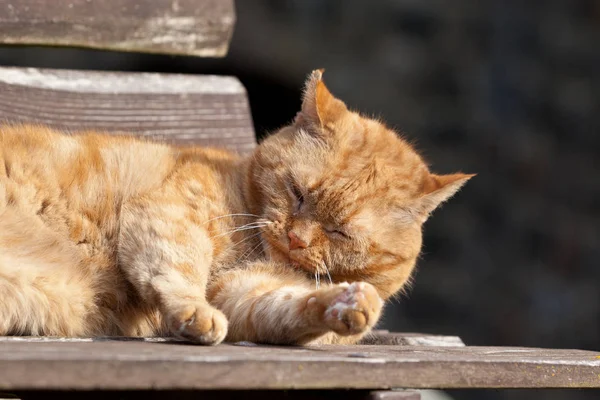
(337, 233)
(297, 193)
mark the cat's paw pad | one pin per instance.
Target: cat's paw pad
(199, 323)
(355, 310)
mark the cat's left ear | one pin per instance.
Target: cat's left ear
(320, 109)
(438, 189)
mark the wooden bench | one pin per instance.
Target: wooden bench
(209, 110)
(32, 366)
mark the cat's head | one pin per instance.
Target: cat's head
(344, 192)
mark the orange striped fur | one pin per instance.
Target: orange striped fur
(111, 235)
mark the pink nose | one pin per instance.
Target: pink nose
(296, 242)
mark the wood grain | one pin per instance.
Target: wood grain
(188, 27)
(411, 339)
(377, 337)
(127, 365)
(394, 395)
(218, 395)
(181, 109)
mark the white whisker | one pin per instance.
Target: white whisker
(251, 224)
(232, 215)
(317, 279)
(246, 227)
(248, 253)
(264, 222)
(244, 240)
(327, 271)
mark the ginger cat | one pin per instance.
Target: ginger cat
(111, 235)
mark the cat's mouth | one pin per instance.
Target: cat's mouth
(300, 265)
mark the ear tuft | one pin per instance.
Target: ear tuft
(310, 86)
(317, 74)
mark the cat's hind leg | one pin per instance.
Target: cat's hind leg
(36, 299)
(41, 290)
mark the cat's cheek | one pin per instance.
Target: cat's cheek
(278, 232)
(273, 254)
(274, 242)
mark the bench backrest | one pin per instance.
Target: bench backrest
(187, 27)
(183, 109)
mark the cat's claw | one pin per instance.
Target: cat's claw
(201, 323)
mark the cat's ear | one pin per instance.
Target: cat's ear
(438, 189)
(320, 108)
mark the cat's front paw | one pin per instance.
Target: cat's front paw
(349, 309)
(199, 323)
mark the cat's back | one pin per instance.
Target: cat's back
(29, 157)
(76, 183)
(89, 161)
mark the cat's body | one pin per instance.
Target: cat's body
(106, 235)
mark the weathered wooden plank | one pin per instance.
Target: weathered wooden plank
(219, 395)
(117, 365)
(181, 109)
(189, 27)
(394, 395)
(379, 337)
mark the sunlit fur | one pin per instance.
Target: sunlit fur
(111, 235)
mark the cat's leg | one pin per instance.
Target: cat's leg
(271, 304)
(42, 289)
(38, 300)
(167, 259)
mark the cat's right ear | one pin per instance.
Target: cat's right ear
(438, 189)
(320, 109)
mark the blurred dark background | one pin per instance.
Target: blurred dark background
(506, 89)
